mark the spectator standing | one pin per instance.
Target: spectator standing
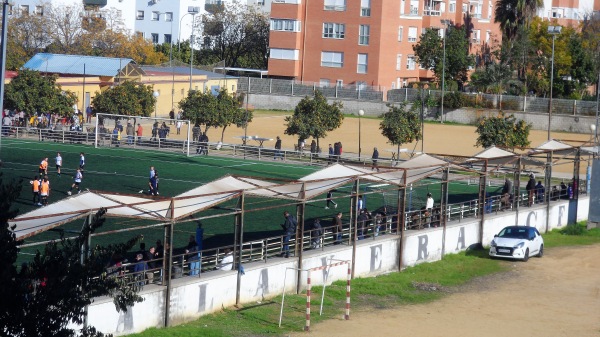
(58, 161)
(278, 149)
(361, 203)
(130, 133)
(507, 193)
(88, 114)
(227, 261)
(193, 256)
(154, 131)
(338, 228)
(375, 158)
(289, 229)
(204, 144)
(315, 234)
(171, 116)
(76, 182)
(429, 203)
(563, 191)
(530, 188)
(195, 132)
(540, 190)
(331, 153)
(139, 132)
(336, 151)
(140, 269)
(178, 126)
(330, 200)
(313, 147)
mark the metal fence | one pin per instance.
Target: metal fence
(270, 86)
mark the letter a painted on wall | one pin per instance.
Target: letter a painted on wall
(460, 243)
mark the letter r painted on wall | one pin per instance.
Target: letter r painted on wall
(460, 243)
(422, 253)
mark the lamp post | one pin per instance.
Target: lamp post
(361, 113)
(446, 23)
(5, 4)
(155, 94)
(552, 30)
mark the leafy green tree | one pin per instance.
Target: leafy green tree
(43, 297)
(128, 98)
(502, 131)
(212, 111)
(314, 117)
(429, 52)
(31, 92)
(494, 78)
(400, 126)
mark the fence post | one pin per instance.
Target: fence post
(574, 107)
(270, 86)
(336, 92)
(358, 92)
(292, 87)
(405, 94)
(524, 103)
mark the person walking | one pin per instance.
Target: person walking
(315, 234)
(289, 228)
(530, 188)
(44, 191)
(330, 200)
(76, 182)
(35, 189)
(374, 158)
(81, 161)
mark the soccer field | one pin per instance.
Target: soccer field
(126, 171)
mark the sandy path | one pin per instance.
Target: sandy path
(510, 304)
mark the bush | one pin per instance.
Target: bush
(454, 100)
(575, 229)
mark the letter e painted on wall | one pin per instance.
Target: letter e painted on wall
(561, 212)
(423, 241)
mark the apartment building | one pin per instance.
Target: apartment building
(568, 12)
(366, 42)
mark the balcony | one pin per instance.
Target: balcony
(414, 11)
(431, 11)
(476, 40)
(294, 2)
(214, 6)
(100, 3)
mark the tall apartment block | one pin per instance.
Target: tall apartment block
(365, 42)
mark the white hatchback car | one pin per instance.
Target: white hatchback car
(517, 242)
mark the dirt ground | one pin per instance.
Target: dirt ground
(558, 295)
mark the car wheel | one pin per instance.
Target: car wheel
(541, 252)
(526, 257)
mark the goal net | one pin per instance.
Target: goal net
(143, 132)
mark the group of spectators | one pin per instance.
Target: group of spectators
(41, 120)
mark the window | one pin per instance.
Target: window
(140, 15)
(140, 34)
(167, 38)
(414, 7)
(169, 16)
(155, 16)
(332, 59)
(361, 85)
(363, 35)
(465, 8)
(284, 54)
(400, 33)
(335, 5)
(39, 10)
(25, 9)
(399, 62)
(334, 30)
(412, 34)
(285, 25)
(154, 38)
(410, 62)
(452, 7)
(402, 6)
(476, 36)
(324, 83)
(490, 10)
(487, 36)
(339, 83)
(365, 7)
(361, 67)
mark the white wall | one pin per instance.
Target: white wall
(194, 297)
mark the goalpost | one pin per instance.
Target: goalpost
(156, 133)
(309, 286)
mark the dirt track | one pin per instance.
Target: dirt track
(558, 295)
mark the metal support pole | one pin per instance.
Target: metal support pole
(237, 248)
(551, 84)
(5, 4)
(443, 205)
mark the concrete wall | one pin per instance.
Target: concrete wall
(194, 297)
(568, 123)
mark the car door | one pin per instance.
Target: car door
(535, 241)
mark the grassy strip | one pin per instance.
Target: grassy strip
(412, 285)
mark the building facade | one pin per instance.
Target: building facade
(365, 43)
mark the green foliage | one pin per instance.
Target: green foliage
(204, 108)
(128, 98)
(454, 100)
(44, 296)
(574, 229)
(400, 126)
(31, 92)
(314, 117)
(570, 235)
(502, 131)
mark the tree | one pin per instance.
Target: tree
(218, 111)
(400, 126)
(502, 131)
(42, 297)
(429, 52)
(237, 34)
(128, 98)
(30, 34)
(494, 78)
(32, 93)
(314, 117)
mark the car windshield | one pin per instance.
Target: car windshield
(513, 233)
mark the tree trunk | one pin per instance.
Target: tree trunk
(223, 133)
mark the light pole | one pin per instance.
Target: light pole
(361, 113)
(552, 30)
(446, 23)
(155, 94)
(5, 4)
(191, 10)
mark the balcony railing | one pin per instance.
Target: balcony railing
(431, 12)
(414, 11)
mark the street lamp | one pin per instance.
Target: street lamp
(447, 24)
(361, 113)
(552, 30)
(155, 94)
(5, 5)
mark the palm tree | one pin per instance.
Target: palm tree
(512, 14)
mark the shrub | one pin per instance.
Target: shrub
(454, 100)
